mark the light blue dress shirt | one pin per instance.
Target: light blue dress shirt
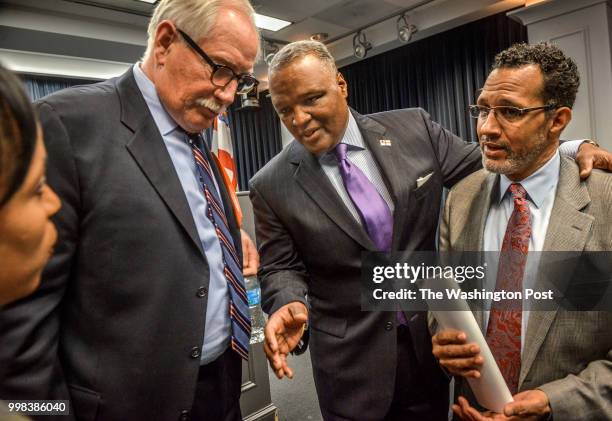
(541, 187)
(360, 156)
(218, 328)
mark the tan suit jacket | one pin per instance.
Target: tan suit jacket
(566, 354)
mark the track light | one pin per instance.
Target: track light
(250, 100)
(361, 46)
(405, 30)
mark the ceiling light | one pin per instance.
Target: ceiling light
(361, 46)
(405, 30)
(270, 23)
(148, 1)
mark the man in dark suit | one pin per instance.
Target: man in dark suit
(313, 225)
(131, 321)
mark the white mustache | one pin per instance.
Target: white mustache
(211, 104)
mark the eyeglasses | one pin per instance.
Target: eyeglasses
(505, 112)
(221, 75)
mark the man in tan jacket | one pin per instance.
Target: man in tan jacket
(557, 363)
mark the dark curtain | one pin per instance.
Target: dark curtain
(40, 86)
(440, 73)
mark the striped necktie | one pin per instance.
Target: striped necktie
(232, 267)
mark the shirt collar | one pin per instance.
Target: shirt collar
(539, 184)
(163, 120)
(352, 137)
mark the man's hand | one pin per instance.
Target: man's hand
(530, 405)
(590, 156)
(455, 355)
(250, 257)
(468, 413)
(283, 332)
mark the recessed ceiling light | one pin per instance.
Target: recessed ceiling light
(270, 23)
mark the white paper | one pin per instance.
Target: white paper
(490, 389)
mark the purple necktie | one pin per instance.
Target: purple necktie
(374, 212)
(372, 208)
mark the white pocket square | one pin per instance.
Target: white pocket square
(423, 180)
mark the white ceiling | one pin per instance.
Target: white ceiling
(124, 22)
(334, 17)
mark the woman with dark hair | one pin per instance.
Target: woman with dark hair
(27, 234)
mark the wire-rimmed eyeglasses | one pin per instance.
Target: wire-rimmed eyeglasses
(505, 112)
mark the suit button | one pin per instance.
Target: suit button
(202, 291)
(388, 325)
(184, 416)
(195, 352)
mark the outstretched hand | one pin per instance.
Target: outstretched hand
(529, 405)
(283, 332)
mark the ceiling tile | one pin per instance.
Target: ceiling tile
(305, 28)
(292, 10)
(355, 14)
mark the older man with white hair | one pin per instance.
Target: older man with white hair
(141, 314)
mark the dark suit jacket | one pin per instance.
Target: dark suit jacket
(310, 244)
(118, 314)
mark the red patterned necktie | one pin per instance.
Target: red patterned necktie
(504, 329)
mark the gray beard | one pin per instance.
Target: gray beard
(516, 163)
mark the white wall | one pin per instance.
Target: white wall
(80, 21)
(582, 28)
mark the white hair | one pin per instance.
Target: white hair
(195, 17)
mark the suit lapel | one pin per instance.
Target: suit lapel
(148, 149)
(474, 229)
(568, 230)
(311, 177)
(391, 164)
(569, 227)
(473, 233)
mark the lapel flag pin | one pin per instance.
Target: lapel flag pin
(385, 142)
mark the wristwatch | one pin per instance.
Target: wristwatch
(591, 142)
